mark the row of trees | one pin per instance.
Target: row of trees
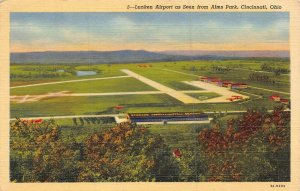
(193, 68)
(260, 78)
(92, 120)
(220, 69)
(47, 71)
(253, 147)
(39, 74)
(276, 70)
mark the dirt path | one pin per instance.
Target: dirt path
(68, 81)
(171, 92)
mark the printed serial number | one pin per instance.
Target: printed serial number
(277, 186)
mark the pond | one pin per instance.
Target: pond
(85, 73)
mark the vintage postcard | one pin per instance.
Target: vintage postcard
(149, 95)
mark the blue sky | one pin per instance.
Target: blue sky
(149, 31)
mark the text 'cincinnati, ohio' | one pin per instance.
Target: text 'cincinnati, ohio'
(212, 7)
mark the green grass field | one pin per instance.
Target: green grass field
(132, 104)
(95, 86)
(203, 96)
(158, 72)
(84, 105)
(33, 74)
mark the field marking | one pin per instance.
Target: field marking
(224, 92)
(69, 81)
(32, 98)
(24, 99)
(248, 86)
(171, 92)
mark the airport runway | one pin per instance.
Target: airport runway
(171, 92)
(68, 81)
(33, 98)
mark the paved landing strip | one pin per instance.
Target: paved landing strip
(68, 81)
(171, 92)
(33, 98)
(223, 91)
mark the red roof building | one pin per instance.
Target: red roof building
(237, 97)
(276, 98)
(284, 101)
(230, 99)
(203, 78)
(226, 84)
(119, 107)
(177, 153)
(208, 79)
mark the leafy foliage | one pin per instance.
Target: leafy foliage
(39, 155)
(252, 147)
(126, 152)
(246, 150)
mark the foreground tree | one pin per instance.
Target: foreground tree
(254, 147)
(38, 153)
(127, 152)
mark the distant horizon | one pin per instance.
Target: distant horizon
(157, 31)
(163, 51)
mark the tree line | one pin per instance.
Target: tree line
(276, 70)
(81, 121)
(260, 78)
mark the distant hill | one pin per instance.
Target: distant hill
(126, 56)
(244, 54)
(81, 57)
